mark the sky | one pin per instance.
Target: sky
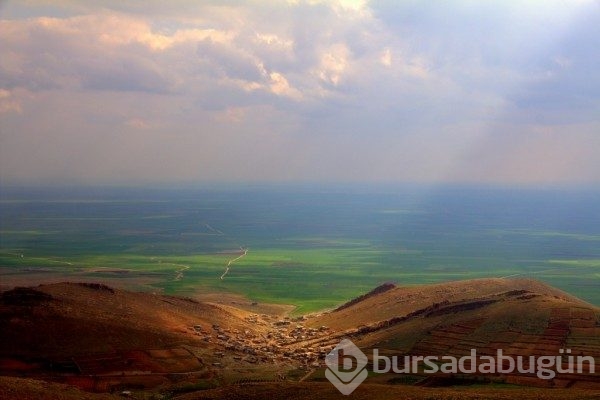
(148, 92)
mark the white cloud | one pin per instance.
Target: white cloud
(138, 123)
(324, 90)
(280, 86)
(9, 103)
(386, 58)
(334, 62)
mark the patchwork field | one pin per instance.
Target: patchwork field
(312, 248)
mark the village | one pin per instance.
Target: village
(287, 341)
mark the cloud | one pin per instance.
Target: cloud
(326, 90)
(334, 63)
(496, 46)
(308, 50)
(386, 58)
(9, 103)
(280, 86)
(138, 123)
(101, 52)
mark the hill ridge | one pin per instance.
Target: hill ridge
(96, 337)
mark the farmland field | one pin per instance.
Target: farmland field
(311, 246)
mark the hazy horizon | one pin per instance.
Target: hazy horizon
(184, 92)
(350, 238)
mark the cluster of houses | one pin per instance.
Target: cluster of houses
(286, 341)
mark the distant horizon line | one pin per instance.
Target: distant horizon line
(226, 184)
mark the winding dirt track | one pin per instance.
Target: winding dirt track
(180, 271)
(232, 261)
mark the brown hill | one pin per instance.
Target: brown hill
(379, 306)
(521, 317)
(99, 338)
(69, 319)
(102, 339)
(366, 391)
(29, 389)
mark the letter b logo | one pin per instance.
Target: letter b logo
(346, 367)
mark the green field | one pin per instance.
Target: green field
(312, 249)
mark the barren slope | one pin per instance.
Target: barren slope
(98, 338)
(404, 300)
(521, 317)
